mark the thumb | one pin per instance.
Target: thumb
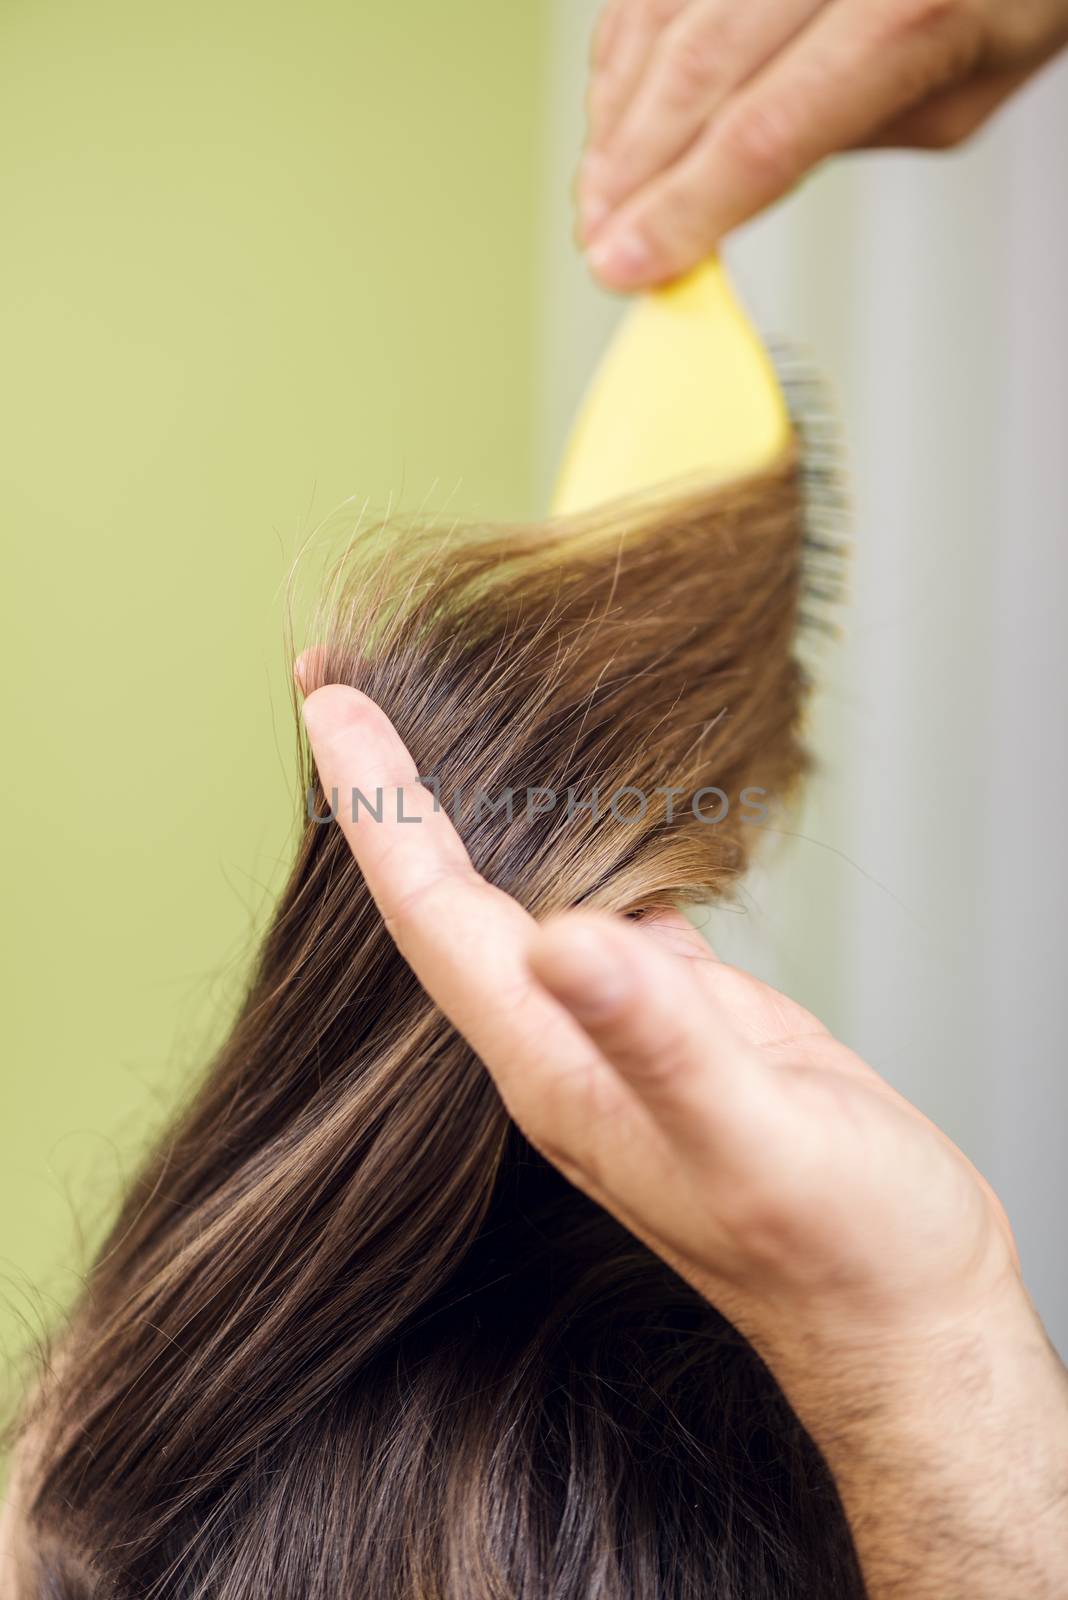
(670, 1042)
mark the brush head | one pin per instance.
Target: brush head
(685, 391)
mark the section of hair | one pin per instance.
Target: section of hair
(350, 1335)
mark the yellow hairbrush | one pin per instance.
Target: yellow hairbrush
(685, 390)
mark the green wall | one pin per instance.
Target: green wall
(256, 259)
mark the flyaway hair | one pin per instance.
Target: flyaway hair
(351, 1337)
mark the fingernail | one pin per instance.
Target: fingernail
(623, 256)
(590, 190)
(309, 712)
(592, 169)
(299, 674)
(594, 211)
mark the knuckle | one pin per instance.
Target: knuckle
(759, 139)
(563, 1126)
(414, 908)
(734, 986)
(655, 17)
(762, 1230)
(690, 64)
(604, 35)
(600, 102)
(671, 222)
(661, 1064)
(1021, 35)
(945, 129)
(921, 15)
(949, 27)
(742, 996)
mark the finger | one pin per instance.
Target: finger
(631, 36)
(948, 117)
(465, 940)
(758, 1013)
(646, 1014)
(675, 932)
(606, 34)
(852, 70)
(707, 51)
(308, 668)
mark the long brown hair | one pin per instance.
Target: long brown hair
(350, 1337)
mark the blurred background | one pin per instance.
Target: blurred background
(264, 262)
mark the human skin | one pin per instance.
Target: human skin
(703, 112)
(860, 1252)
